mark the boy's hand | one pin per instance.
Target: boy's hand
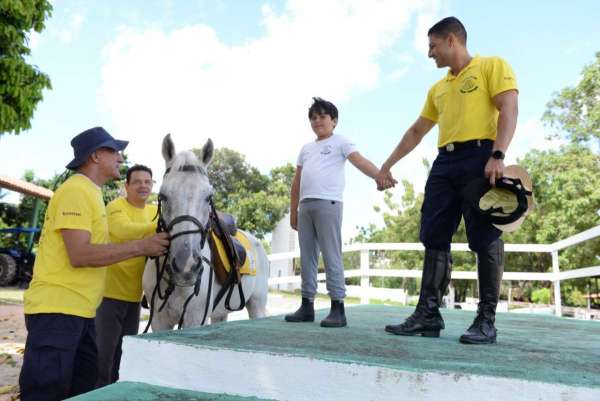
(294, 219)
(385, 180)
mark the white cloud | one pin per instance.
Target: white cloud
(68, 31)
(251, 97)
(426, 18)
(33, 39)
(403, 62)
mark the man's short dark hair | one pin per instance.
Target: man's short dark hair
(137, 167)
(449, 25)
(322, 106)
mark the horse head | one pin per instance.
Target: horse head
(185, 204)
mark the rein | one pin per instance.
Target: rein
(205, 232)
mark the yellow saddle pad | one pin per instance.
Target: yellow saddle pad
(223, 264)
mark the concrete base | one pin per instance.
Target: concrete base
(537, 357)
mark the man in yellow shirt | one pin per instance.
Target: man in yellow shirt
(475, 105)
(129, 218)
(60, 359)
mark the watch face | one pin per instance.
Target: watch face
(498, 154)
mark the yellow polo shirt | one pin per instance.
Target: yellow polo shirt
(57, 286)
(126, 223)
(463, 105)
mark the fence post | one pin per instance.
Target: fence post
(557, 297)
(364, 276)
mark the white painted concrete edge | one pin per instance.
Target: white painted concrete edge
(285, 377)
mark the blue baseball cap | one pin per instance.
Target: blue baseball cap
(91, 140)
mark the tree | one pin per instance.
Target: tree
(566, 185)
(21, 84)
(229, 173)
(257, 201)
(575, 111)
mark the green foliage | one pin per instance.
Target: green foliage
(576, 298)
(21, 84)
(257, 201)
(566, 185)
(229, 173)
(575, 110)
(541, 296)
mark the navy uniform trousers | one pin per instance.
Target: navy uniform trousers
(444, 204)
(61, 358)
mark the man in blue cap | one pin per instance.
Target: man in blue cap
(61, 358)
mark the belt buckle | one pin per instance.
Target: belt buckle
(450, 147)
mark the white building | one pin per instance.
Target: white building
(284, 239)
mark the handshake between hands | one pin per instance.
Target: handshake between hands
(385, 180)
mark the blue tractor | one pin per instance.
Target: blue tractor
(16, 255)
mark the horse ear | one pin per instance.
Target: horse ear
(207, 152)
(168, 148)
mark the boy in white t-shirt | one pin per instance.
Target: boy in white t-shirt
(316, 211)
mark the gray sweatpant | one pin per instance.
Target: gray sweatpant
(320, 229)
(114, 319)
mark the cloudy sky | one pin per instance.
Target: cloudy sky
(243, 73)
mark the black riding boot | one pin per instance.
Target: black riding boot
(426, 319)
(336, 317)
(490, 266)
(306, 312)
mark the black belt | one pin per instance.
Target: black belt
(455, 146)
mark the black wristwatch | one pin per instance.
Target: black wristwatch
(498, 155)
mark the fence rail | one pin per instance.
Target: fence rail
(365, 271)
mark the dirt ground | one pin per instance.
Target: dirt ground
(12, 343)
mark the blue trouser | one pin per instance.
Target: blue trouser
(61, 359)
(444, 205)
(320, 230)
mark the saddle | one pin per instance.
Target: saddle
(228, 250)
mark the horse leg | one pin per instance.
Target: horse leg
(161, 322)
(218, 318)
(257, 306)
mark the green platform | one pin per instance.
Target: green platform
(146, 392)
(530, 347)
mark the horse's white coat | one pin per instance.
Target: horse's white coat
(186, 193)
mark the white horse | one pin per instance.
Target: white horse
(185, 197)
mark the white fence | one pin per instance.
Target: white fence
(365, 271)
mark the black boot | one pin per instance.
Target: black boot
(426, 319)
(490, 266)
(306, 312)
(336, 317)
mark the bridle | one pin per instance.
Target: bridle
(204, 231)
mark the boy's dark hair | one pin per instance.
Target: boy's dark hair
(322, 106)
(449, 25)
(137, 167)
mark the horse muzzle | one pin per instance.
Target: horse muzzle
(185, 268)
